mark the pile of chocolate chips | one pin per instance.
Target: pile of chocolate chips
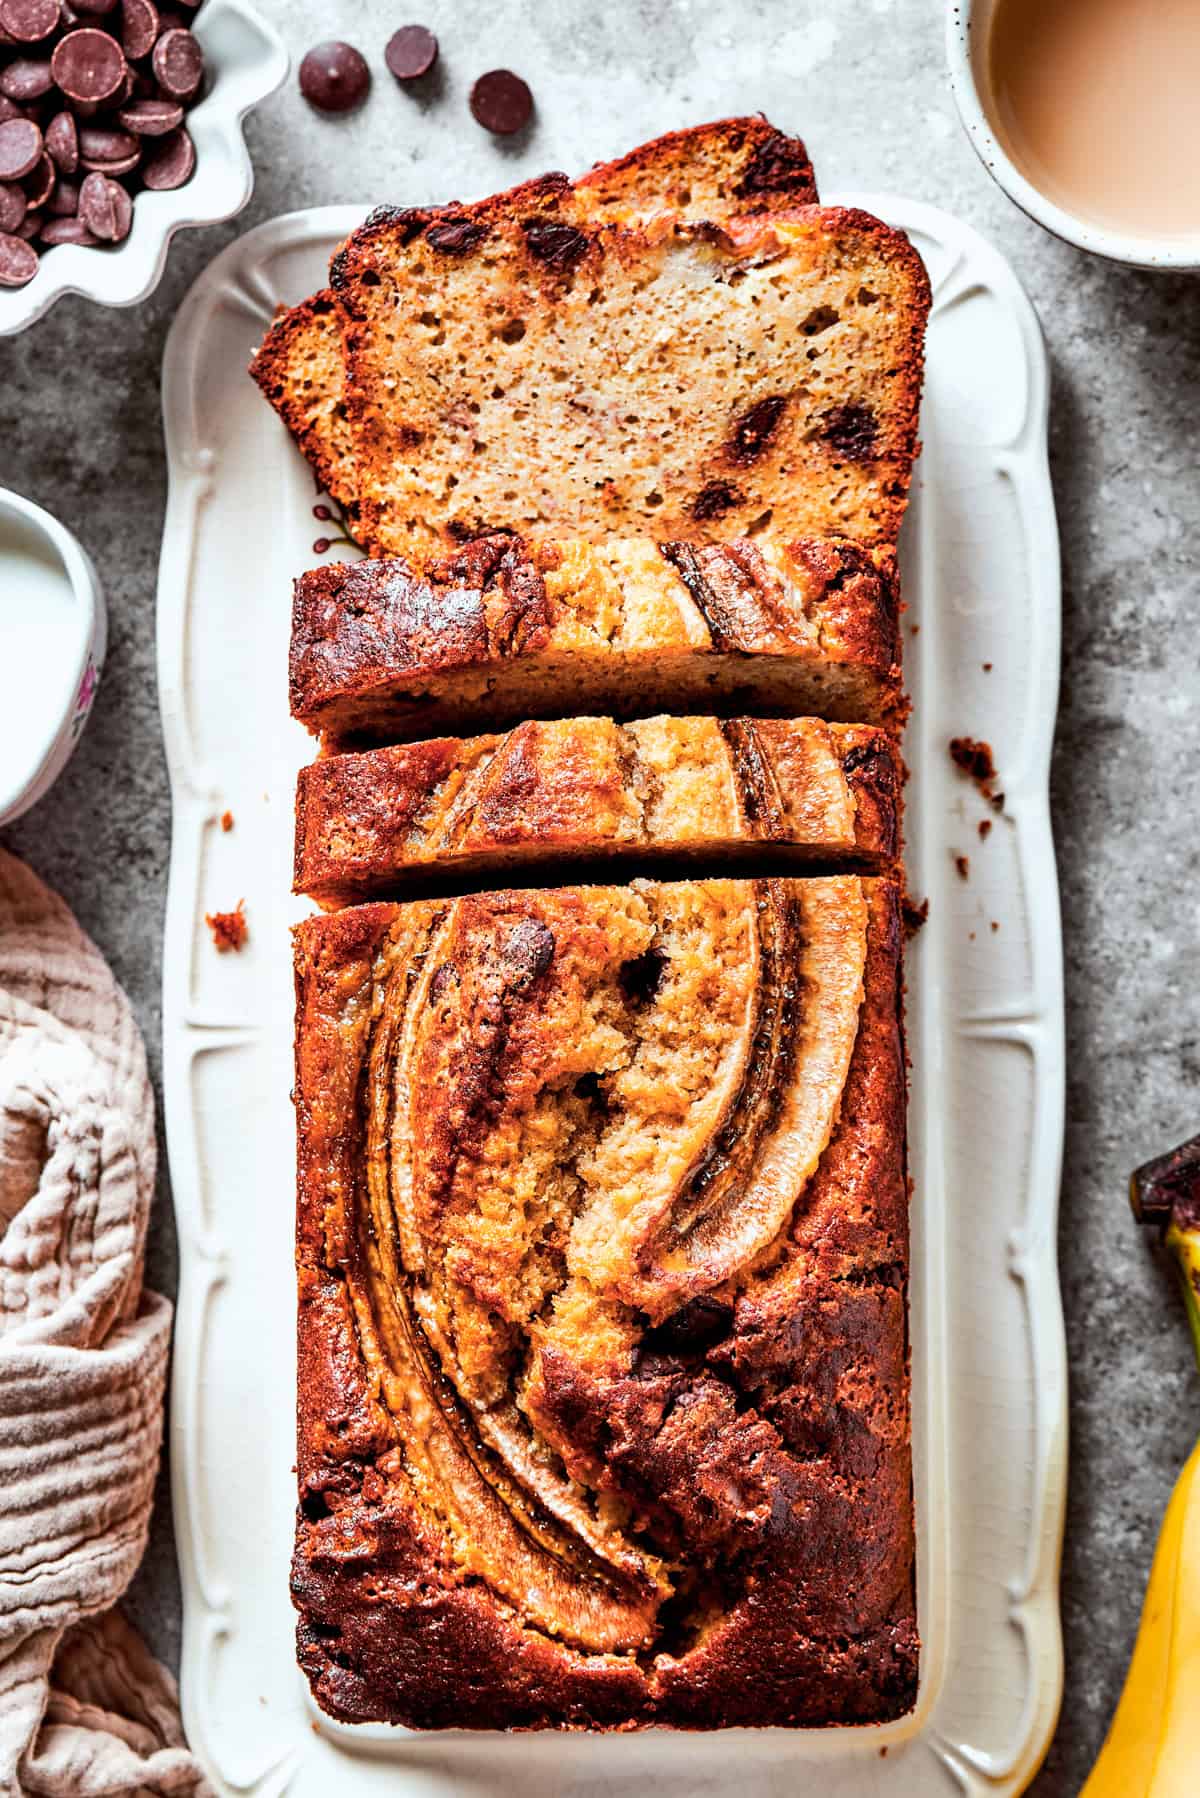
(92, 100)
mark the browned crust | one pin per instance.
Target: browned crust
(824, 1630)
(750, 165)
(366, 634)
(374, 822)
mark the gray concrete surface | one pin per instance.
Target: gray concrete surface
(864, 81)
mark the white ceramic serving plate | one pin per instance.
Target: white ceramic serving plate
(985, 1015)
(245, 61)
(63, 645)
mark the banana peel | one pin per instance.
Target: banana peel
(1152, 1749)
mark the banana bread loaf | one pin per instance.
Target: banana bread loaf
(510, 366)
(507, 630)
(602, 1245)
(716, 171)
(572, 789)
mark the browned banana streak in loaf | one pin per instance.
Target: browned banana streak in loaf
(602, 1248)
(507, 628)
(577, 789)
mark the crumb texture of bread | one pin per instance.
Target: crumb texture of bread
(578, 788)
(714, 171)
(602, 1249)
(507, 629)
(514, 368)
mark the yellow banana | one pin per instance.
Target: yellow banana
(1152, 1749)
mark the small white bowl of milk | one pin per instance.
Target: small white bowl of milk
(53, 631)
(1087, 113)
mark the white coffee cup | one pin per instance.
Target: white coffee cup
(968, 27)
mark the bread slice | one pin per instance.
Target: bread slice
(602, 1248)
(512, 367)
(574, 789)
(733, 166)
(508, 630)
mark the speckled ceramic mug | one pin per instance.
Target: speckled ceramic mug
(968, 28)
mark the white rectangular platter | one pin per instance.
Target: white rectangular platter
(980, 562)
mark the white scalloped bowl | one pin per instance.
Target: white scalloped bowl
(245, 61)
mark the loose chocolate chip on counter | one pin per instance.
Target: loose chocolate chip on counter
(28, 21)
(170, 163)
(18, 261)
(501, 102)
(26, 78)
(178, 64)
(20, 148)
(88, 66)
(62, 141)
(151, 118)
(64, 201)
(39, 183)
(411, 52)
(334, 77)
(105, 208)
(12, 205)
(139, 27)
(69, 230)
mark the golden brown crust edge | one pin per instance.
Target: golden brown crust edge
(825, 1630)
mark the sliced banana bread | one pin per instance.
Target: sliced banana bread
(507, 630)
(510, 366)
(581, 788)
(602, 1245)
(709, 171)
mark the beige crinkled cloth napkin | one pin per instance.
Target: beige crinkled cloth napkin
(84, 1709)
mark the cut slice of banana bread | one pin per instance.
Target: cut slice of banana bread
(512, 367)
(603, 1249)
(709, 171)
(507, 630)
(581, 788)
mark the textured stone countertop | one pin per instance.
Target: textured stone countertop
(863, 81)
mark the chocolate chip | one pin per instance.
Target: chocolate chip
(151, 118)
(71, 230)
(754, 429)
(99, 7)
(501, 102)
(456, 236)
(28, 21)
(105, 208)
(9, 109)
(851, 431)
(64, 201)
(27, 78)
(334, 77)
(39, 183)
(29, 226)
(12, 205)
(139, 27)
(88, 66)
(178, 64)
(411, 52)
(62, 141)
(18, 261)
(557, 245)
(716, 499)
(20, 148)
(123, 165)
(170, 163)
